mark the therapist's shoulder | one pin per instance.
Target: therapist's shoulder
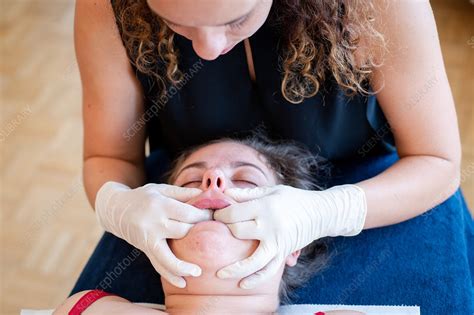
(100, 53)
(388, 25)
(97, 39)
(112, 95)
(95, 16)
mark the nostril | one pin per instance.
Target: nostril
(208, 182)
(218, 182)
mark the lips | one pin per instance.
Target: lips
(214, 204)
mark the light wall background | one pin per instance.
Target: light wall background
(48, 229)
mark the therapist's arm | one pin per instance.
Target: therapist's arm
(417, 101)
(112, 101)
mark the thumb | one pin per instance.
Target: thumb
(179, 193)
(247, 194)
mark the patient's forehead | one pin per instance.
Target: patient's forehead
(224, 153)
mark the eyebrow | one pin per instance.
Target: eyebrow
(199, 165)
(223, 24)
(235, 164)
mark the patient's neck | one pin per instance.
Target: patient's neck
(177, 304)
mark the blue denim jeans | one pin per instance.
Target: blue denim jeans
(425, 261)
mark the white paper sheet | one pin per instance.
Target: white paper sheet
(299, 309)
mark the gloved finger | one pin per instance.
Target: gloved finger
(247, 230)
(262, 275)
(248, 266)
(181, 194)
(186, 213)
(237, 213)
(247, 194)
(168, 260)
(171, 278)
(176, 229)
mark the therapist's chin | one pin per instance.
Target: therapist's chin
(210, 245)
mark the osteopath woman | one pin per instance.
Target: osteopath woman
(360, 83)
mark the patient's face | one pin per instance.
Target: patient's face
(210, 244)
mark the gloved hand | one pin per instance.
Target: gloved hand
(285, 219)
(146, 216)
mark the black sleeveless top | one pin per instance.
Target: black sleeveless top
(217, 99)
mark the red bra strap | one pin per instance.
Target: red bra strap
(86, 300)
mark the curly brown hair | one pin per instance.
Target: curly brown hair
(321, 38)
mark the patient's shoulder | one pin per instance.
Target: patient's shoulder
(66, 306)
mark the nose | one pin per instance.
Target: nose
(208, 43)
(214, 180)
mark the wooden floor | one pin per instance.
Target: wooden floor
(47, 227)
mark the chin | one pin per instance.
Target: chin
(211, 245)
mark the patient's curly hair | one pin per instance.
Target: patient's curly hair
(293, 165)
(320, 38)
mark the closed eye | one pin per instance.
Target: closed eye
(244, 182)
(237, 25)
(194, 182)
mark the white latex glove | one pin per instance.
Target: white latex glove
(146, 216)
(285, 219)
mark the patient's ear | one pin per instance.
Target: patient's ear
(292, 259)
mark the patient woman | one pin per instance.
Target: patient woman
(213, 168)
